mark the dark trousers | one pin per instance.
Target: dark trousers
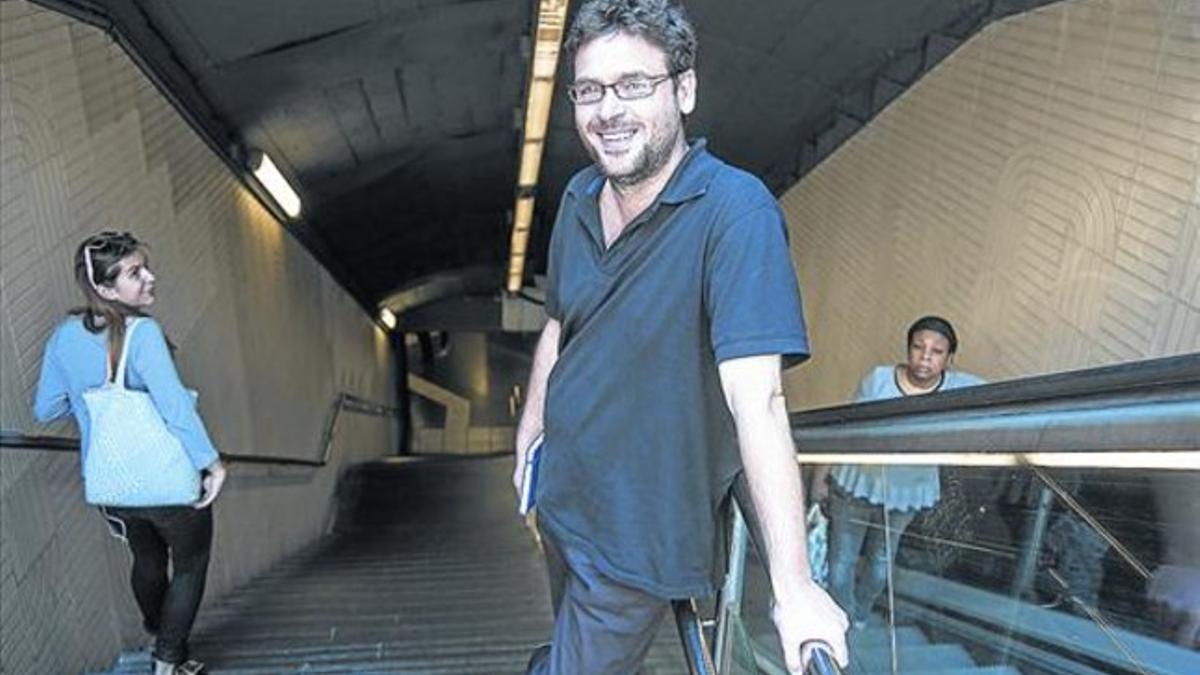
(170, 546)
(601, 627)
(861, 548)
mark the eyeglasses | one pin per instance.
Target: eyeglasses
(586, 92)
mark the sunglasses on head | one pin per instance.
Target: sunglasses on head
(99, 242)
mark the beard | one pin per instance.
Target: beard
(648, 160)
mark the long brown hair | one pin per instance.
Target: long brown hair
(97, 263)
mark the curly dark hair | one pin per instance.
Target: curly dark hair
(661, 22)
(938, 325)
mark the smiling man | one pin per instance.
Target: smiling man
(672, 307)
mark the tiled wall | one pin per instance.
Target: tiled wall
(1040, 188)
(87, 143)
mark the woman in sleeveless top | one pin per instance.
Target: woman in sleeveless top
(858, 495)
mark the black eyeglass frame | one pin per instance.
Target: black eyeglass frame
(652, 81)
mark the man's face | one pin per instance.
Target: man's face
(631, 140)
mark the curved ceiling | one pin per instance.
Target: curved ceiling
(399, 120)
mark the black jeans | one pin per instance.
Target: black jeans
(182, 537)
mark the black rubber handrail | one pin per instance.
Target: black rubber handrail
(344, 401)
(1131, 407)
(1134, 377)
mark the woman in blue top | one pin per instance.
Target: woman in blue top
(111, 270)
(857, 495)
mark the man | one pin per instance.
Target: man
(672, 304)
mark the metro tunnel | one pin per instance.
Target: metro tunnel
(351, 212)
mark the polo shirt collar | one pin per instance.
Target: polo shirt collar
(692, 176)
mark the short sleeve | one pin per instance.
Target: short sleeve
(750, 290)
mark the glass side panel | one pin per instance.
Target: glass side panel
(1012, 571)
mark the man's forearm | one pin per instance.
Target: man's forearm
(754, 391)
(778, 493)
(544, 358)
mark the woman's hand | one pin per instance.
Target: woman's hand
(210, 485)
(819, 489)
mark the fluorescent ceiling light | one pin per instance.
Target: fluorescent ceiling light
(388, 318)
(531, 161)
(551, 20)
(268, 175)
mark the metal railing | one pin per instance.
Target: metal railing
(344, 401)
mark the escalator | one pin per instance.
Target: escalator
(1065, 540)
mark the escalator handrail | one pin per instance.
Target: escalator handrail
(1134, 377)
(1109, 409)
(821, 662)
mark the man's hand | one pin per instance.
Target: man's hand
(544, 358)
(808, 620)
(521, 454)
(518, 471)
(210, 485)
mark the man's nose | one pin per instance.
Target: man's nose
(609, 106)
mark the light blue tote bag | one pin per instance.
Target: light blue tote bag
(132, 458)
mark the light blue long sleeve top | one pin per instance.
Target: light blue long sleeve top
(75, 361)
(900, 488)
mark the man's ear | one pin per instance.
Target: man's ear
(685, 91)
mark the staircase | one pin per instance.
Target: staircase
(428, 571)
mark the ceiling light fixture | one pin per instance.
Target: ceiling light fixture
(388, 318)
(548, 33)
(269, 176)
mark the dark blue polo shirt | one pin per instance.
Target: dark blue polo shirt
(640, 445)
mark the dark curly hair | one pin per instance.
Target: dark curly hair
(661, 22)
(938, 325)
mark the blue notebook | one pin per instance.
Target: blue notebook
(529, 479)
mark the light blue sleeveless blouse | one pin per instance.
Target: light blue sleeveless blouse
(899, 488)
